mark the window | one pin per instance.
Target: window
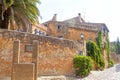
(28, 48)
(80, 52)
(82, 36)
(90, 39)
(59, 27)
(36, 31)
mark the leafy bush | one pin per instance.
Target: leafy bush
(83, 65)
(110, 63)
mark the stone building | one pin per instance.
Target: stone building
(76, 29)
(59, 42)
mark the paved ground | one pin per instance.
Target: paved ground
(108, 74)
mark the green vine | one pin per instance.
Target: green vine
(94, 52)
(99, 41)
(108, 47)
(110, 61)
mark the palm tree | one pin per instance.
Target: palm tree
(19, 14)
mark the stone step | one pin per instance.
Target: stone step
(52, 78)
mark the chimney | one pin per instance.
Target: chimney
(54, 17)
(80, 18)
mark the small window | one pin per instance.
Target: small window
(59, 27)
(82, 36)
(80, 52)
(28, 48)
(36, 31)
(90, 39)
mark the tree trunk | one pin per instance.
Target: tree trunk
(0, 14)
(5, 21)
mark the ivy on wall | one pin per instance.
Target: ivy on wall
(110, 61)
(106, 47)
(94, 52)
(99, 40)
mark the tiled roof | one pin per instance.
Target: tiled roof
(75, 23)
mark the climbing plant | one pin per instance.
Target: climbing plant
(110, 61)
(94, 52)
(99, 40)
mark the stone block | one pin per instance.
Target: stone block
(16, 51)
(52, 78)
(23, 72)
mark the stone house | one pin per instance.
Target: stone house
(76, 29)
(59, 42)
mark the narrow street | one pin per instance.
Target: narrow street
(112, 73)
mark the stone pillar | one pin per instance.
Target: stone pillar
(16, 51)
(16, 54)
(35, 57)
(84, 42)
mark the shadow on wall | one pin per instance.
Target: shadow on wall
(117, 68)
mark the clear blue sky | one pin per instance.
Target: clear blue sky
(98, 11)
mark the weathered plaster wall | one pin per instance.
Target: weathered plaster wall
(5, 56)
(55, 56)
(74, 34)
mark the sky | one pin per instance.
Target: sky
(96, 11)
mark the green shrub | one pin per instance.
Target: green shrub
(83, 65)
(110, 63)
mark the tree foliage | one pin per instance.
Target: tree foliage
(22, 12)
(110, 61)
(117, 46)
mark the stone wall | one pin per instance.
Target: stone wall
(55, 55)
(5, 56)
(74, 34)
(115, 57)
(67, 31)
